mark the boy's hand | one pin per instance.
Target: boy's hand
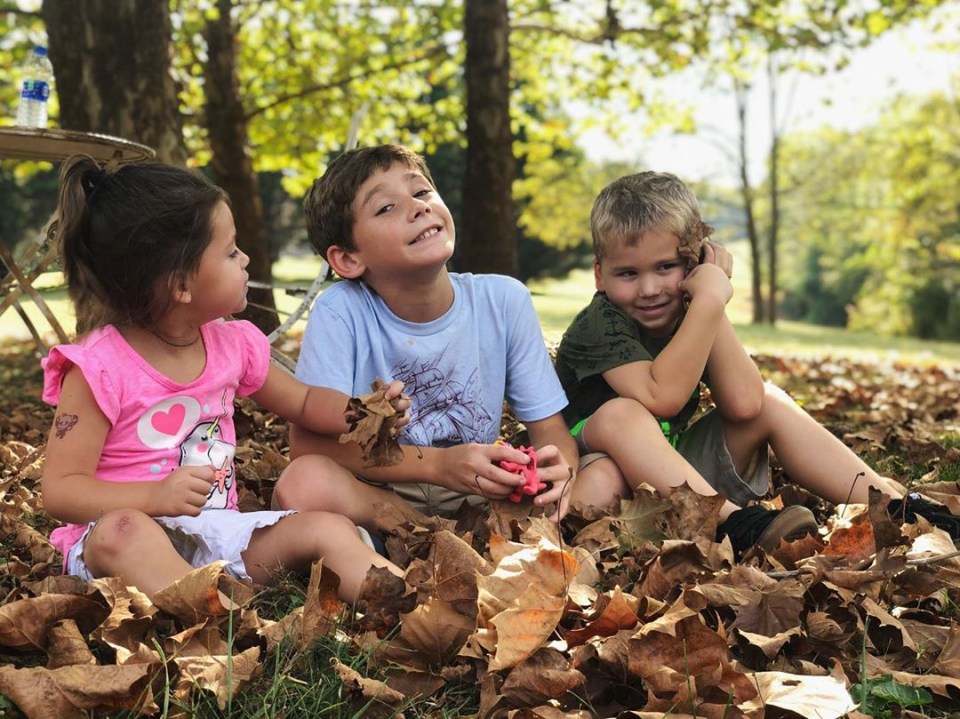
(717, 255)
(707, 280)
(395, 391)
(475, 469)
(555, 471)
(182, 492)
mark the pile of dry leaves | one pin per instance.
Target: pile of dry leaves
(635, 615)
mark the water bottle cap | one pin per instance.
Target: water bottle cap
(40, 50)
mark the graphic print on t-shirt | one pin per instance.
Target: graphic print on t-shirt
(444, 410)
(174, 424)
(204, 446)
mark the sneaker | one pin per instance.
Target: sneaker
(907, 509)
(757, 525)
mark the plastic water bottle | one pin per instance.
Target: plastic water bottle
(35, 91)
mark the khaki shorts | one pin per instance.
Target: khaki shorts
(430, 499)
(704, 446)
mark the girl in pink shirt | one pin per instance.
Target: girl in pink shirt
(140, 456)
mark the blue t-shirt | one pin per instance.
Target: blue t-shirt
(457, 369)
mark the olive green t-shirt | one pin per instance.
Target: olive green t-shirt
(600, 338)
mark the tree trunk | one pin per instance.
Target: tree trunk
(489, 227)
(111, 61)
(231, 163)
(773, 237)
(746, 193)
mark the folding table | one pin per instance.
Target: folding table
(25, 264)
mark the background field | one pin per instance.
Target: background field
(558, 300)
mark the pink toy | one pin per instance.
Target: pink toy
(528, 471)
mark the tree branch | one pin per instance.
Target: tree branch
(345, 81)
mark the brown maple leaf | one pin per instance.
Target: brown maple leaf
(373, 420)
(691, 243)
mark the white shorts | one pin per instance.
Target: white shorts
(216, 534)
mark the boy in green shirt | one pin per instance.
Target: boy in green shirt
(632, 362)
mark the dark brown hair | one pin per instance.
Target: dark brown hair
(329, 203)
(127, 236)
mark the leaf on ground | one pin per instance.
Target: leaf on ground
(205, 592)
(26, 624)
(543, 677)
(223, 675)
(613, 612)
(430, 636)
(322, 608)
(366, 689)
(823, 697)
(66, 646)
(75, 691)
(383, 597)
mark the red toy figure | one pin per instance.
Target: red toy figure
(528, 471)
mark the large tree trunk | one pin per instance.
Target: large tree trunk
(111, 60)
(489, 227)
(232, 164)
(746, 193)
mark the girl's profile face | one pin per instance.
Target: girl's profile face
(219, 286)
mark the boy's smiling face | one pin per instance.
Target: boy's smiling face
(400, 223)
(641, 279)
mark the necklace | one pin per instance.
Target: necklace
(179, 345)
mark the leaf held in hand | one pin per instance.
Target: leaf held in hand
(372, 419)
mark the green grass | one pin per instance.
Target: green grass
(557, 301)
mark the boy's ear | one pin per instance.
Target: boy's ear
(597, 277)
(346, 264)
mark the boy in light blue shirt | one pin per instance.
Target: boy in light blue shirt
(461, 343)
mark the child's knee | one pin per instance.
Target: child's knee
(115, 533)
(619, 412)
(601, 484)
(307, 483)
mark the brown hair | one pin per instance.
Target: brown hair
(329, 203)
(127, 235)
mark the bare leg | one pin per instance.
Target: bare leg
(119, 543)
(600, 484)
(296, 541)
(625, 429)
(316, 483)
(814, 458)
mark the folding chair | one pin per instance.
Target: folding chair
(309, 295)
(32, 259)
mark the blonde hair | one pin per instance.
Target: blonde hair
(634, 204)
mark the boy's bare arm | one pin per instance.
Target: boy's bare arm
(664, 385)
(558, 458)
(466, 468)
(735, 381)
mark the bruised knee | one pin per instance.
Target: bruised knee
(115, 533)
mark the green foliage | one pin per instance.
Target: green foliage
(879, 696)
(873, 217)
